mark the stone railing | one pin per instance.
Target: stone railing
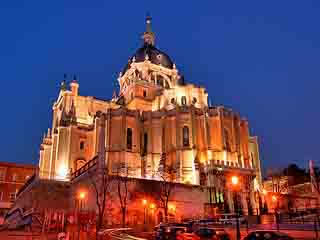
(28, 182)
(84, 168)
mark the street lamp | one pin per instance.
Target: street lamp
(81, 197)
(235, 184)
(144, 203)
(152, 207)
(276, 202)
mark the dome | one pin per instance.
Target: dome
(155, 56)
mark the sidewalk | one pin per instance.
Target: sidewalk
(21, 235)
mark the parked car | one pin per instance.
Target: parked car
(231, 219)
(204, 234)
(209, 221)
(267, 235)
(169, 231)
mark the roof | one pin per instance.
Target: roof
(17, 165)
(155, 56)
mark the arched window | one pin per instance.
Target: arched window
(129, 138)
(183, 100)
(145, 144)
(81, 145)
(194, 100)
(144, 93)
(185, 131)
(173, 100)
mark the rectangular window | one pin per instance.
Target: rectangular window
(81, 145)
(1, 193)
(12, 196)
(129, 138)
(2, 174)
(145, 144)
(14, 177)
(185, 133)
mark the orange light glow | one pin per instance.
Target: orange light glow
(82, 195)
(144, 201)
(152, 206)
(274, 198)
(172, 207)
(234, 180)
(264, 192)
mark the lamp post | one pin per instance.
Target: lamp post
(235, 184)
(152, 207)
(276, 201)
(144, 203)
(81, 197)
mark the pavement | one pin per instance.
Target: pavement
(296, 234)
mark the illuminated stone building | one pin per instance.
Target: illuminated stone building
(12, 177)
(155, 119)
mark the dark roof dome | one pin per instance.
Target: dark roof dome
(154, 55)
(148, 50)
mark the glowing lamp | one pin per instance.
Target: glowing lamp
(264, 192)
(234, 180)
(82, 195)
(144, 201)
(172, 207)
(274, 198)
(62, 172)
(152, 206)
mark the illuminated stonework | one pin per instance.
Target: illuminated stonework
(156, 119)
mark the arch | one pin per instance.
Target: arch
(183, 100)
(80, 162)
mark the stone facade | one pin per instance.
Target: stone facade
(156, 119)
(12, 177)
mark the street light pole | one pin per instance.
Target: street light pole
(235, 183)
(237, 216)
(144, 203)
(276, 201)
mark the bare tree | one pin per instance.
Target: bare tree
(122, 180)
(166, 185)
(315, 179)
(100, 180)
(279, 184)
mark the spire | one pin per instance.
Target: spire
(148, 36)
(63, 85)
(148, 23)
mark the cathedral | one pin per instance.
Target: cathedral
(155, 119)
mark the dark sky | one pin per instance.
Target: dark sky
(261, 58)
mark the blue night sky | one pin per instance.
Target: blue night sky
(261, 58)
